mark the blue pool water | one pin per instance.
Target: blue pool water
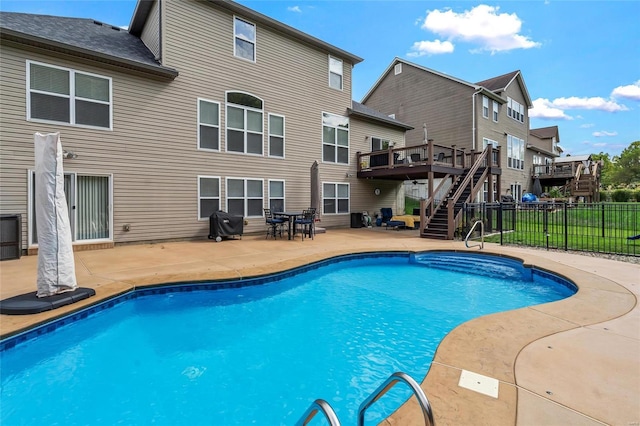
(261, 354)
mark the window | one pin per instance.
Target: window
(244, 197)
(335, 73)
(244, 123)
(276, 135)
(276, 195)
(485, 107)
(335, 138)
(208, 196)
(397, 69)
(335, 198)
(61, 95)
(208, 125)
(89, 204)
(378, 144)
(485, 192)
(496, 110)
(515, 110)
(516, 191)
(245, 39)
(515, 152)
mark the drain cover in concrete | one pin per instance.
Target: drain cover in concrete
(479, 383)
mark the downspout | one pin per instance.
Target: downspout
(160, 12)
(473, 118)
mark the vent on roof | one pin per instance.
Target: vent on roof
(397, 69)
(102, 24)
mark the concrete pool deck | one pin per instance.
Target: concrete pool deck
(571, 362)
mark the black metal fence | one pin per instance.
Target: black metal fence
(612, 228)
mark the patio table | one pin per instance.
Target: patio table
(291, 216)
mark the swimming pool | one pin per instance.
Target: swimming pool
(259, 353)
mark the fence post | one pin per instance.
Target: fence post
(566, 227)
(500, 222)
(603, 221)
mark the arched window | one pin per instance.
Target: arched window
(244, 123)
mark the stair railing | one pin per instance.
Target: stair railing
(387, 385)
(314, 408)
(468, 180)
(466, 239)
(431, 205)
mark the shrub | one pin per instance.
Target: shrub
(621, 195)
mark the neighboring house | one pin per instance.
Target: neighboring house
(543, 148)
(466, 115)
(199, 106)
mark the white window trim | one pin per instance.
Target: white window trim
(335, 141)
(208, 125)
(254, 42)
(71, 96)
(341, 73)
(485, 106)
(519, 156)
(496, 110)
(336, 198)
(208, 198)
(246, 197)
(516, 108)
(382, 140)
(397, 69)
(284, 135)
(284, 192)
(245, 108)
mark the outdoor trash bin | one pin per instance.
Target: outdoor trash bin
(222, 224)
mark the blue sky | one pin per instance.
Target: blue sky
(580, 59)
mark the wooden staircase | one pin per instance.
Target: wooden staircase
(444, 216)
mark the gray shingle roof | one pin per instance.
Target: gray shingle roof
(80, 35)
(499, 83)
(545, 132)
(360, 110)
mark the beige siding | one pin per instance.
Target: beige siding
(152, 153)
(520, 130)
(417, 97)
(151, 32)
(362, 190)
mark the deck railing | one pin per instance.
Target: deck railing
(420, 155)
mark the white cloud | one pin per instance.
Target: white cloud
(599, 144)
(543, 108)
(604, 133)
(631, 91)
(593, 103)
(482, 25)
(422, 48)
(587, 125)
(294, 9)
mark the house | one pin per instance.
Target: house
(468, 116)
(198, 106)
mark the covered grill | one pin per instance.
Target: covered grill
(223, 224)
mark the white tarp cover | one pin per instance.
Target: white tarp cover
(56, 268)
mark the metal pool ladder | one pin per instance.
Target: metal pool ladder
(320, 404)
(466, 239)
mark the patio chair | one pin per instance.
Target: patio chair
(387, 214)
(305, 223)
(274, 224)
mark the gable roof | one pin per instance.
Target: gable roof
(546, 133)
(362, 111)
(396, 60)
(143, 7)
(84, 38)
(500, 83)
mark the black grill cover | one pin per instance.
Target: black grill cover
(222, 224)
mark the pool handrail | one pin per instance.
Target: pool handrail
(466, 239)
(319, 405)
(387, 385)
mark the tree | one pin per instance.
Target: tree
(627, 165)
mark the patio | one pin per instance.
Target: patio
(570, 362)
